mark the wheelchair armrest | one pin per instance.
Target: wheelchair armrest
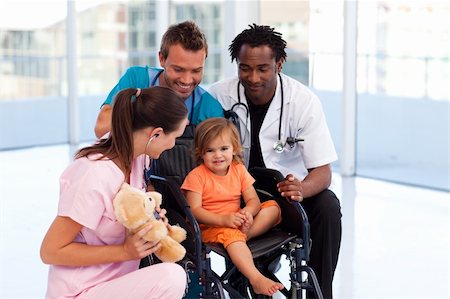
(294, 218)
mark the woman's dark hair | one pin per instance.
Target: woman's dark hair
(136, 109)
(259, 35)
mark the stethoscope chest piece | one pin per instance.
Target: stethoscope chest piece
(278, 147)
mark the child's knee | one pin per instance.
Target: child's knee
(271, 211)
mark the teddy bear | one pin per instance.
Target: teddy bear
(135, 208)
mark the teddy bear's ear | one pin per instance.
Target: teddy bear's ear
(125, 186)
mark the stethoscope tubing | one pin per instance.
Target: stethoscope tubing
(248, 112)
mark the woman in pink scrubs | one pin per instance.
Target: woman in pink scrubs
(90, 253)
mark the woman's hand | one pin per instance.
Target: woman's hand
(291, 188)
(136, 247)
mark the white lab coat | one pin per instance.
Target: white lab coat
(302, 117)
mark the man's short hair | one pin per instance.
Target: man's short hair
(187, 34)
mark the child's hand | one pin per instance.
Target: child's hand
(234, 220)
(136, 248)
(162, 213)
(248, 221)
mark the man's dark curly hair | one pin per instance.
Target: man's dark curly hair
(259, 35)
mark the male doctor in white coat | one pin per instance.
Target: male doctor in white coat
(283, 127)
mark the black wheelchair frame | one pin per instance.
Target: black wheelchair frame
(290, 238)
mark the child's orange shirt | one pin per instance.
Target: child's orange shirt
(220, 194)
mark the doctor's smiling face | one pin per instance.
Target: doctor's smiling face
(183, 69)
(257, 71)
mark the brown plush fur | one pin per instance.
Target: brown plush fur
(134, 209)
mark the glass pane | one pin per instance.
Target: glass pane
(207, 15)
(292, 20)
(313, 31)
(403, 92)
(31, 63)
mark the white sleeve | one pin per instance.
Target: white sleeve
(318, 148)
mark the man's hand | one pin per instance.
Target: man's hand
(291, 188)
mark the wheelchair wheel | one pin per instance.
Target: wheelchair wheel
(214, 288)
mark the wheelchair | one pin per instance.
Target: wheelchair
(291, 238)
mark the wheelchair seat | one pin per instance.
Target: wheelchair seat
(289, 238)
(259, 246)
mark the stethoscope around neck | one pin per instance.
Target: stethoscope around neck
(278, 146)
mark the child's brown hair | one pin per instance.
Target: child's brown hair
(210, 129)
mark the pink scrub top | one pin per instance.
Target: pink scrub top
(87, 190)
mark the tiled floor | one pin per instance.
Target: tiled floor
(396, 238)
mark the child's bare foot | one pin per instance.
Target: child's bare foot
(266, 286)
